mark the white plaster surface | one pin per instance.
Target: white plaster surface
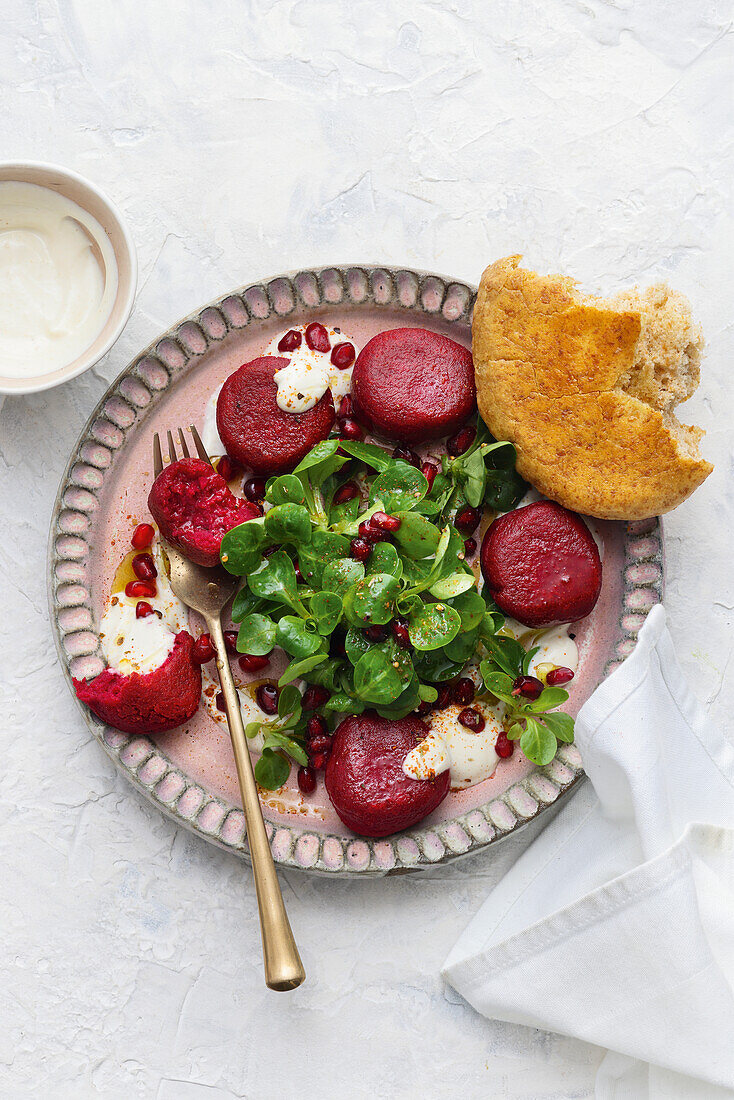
(242, 138)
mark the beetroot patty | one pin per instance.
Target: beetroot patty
(541, 565)
(413, 384)
(365, 779)
(192, 505)
(149, 702)
(256, 431)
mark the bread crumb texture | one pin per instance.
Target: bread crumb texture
(585, 389)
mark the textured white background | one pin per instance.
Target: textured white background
(242, 138)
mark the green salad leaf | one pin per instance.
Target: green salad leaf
(257, 635)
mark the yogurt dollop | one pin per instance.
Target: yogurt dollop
(131, 644)
(428, 759)
(310, 373)
(54, 295)
(555, 647)
(470, 756)
(142, 645)
(554, 644)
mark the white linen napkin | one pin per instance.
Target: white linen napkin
(617, 924)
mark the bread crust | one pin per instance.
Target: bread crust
(547, 367)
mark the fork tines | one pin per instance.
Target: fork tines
(172, 456)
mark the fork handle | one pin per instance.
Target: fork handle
(283, 966)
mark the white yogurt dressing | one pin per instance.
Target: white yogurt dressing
(554, 645)
(310, 373)
(54, 296)
(142, 645)
(131, 644)
(470, 756)
(428, 759)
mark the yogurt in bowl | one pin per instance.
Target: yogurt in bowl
(67, 276)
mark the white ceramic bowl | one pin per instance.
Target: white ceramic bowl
(91, 199)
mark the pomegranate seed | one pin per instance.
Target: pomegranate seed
(467, 520)
(251, 662)
(299, 574)
(314, 697)
(320, 744)
(472, 719)
(404, 454)
(144, 567)
(317, 337)
(470, 548)
(316, 727)
(371, 534)
(558, 676)
(385, 522)
(143, 535)
(203, 650)
(254, 489)
(461, 442)
(139, 590)
(350, 429)
(290, 341)
(360, 549)
(307, 780)
(423, 709)
(462, 691)
(400, 633)
(230, 641)
(444, 697)
(503, 746)
(228, 468)
(319, 760)
(529, 687)
(343, 355)
(346, 407)
(429, 471)
(346, 492)
(219, 701)
(267, 698)
(143, 610)
(376, 633)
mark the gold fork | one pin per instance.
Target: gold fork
(208, 591)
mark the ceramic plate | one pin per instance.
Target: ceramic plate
(190, 773)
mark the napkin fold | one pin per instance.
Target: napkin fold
(617, 924)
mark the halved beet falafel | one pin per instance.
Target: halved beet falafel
(542, 565)
(413, 384)
(194, 508)
(365, 779)
(150, 702)
(256, 431)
